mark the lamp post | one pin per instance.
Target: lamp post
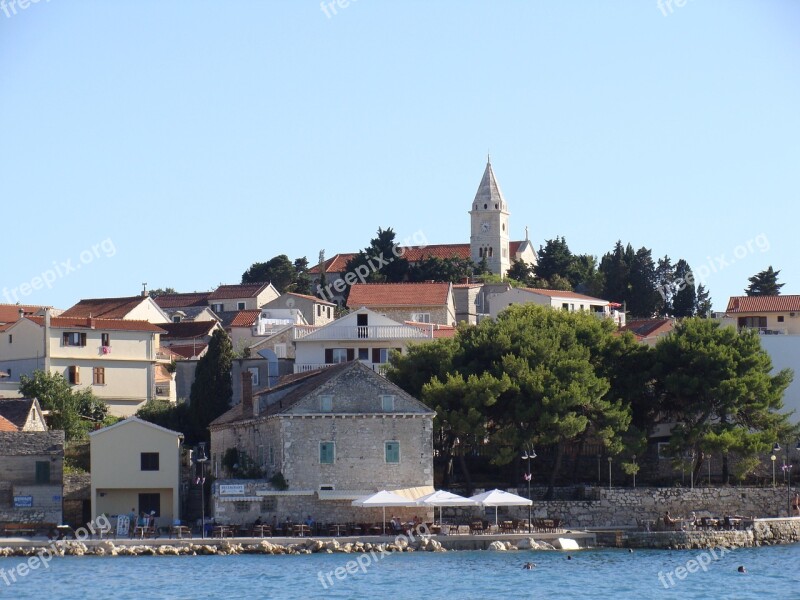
(609, 473)
(773, 458)
(634, 471)
(202, 458)
(599, 456)
(787, 473)
(528, 456)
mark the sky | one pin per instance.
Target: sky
(176, 143)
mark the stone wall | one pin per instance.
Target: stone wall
(763, 532)
(623, 507)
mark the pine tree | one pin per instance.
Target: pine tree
(212, 389)
(684, 301)
(703, 303)
(764, 283)
(643, 297)
(615, 267)
(665, 275)
(555, 258)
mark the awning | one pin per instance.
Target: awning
(413, 493)
(342, 494)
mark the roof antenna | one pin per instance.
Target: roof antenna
(144, 289)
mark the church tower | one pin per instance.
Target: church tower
(489, 217)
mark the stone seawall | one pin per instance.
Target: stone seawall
(626, 507)
(765, 532)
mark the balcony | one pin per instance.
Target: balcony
(367, 332)
(379, 368)
(766, 330)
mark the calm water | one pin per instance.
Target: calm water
(772, 572)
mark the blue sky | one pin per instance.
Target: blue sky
(178, 142)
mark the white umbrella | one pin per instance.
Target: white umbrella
(383, 499)
(500, 498)
(441, 498)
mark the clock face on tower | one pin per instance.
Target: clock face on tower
(485, 226)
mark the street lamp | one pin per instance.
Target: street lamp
(528, 457)
(202, 459)
(609, 473)
(787, 473)
(634, 471)
(773, 458)
(599, 456)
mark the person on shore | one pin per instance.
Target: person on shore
(257, 522)
(796, 504)
(669, 522)
(131, 522)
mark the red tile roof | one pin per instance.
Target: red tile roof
(10, 312)
(108, 308)
(187, 329)
(398, 294)
(107, 324)
(6, 425)
(245, 318)
(245, 290)
(336, 264)
(182, 300)
(741, 304)
(647, 327)
(189, 350)
(562, 294)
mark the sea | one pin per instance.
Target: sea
(770, 572)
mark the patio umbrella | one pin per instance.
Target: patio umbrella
(500, 498)
(441, 498)
(383, 499)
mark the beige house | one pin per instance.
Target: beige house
(132, 308)
(498, 298)
(116, 358)
(415, 302)
(315, 311)
(136, 464)
(334, 435)
(248, 296)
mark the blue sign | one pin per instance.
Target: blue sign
(56, 498)
(23, 501)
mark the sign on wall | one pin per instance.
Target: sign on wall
(23, 501)
(231, 489)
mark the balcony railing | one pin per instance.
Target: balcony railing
(368, 332)
(766, 330)
(379, 368)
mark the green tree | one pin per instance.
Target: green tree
(642, 295)
(764, 283)
(684, 300)
(302, 280)
(432, 268)
(279, 270)
(212, 389)
(615, 267)
(71, 410)
(703, 303)
(161, 291)
(520, 271)
(323, 281)
(717, 385)
(555, 258)
(584, 275)
(665, 277)
(380, 260)
(176, 417)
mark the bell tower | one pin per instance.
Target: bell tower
(489, 220)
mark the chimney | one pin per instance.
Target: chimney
(90, 321)
(21, 313)
(248, 408)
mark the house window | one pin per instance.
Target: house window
(105, 340)
(319, 310)
(149, 461)
(392, 452)
(329, 312)
(663, 451)
(780, 319)
(335, 356)
(42, 471)
(269, 504)
(421, 317)
(74, 375)
(380, 355)
(240, 305)
(150, 503)
(326, 403)
(758, 322)
(280, 350)
(217, 308)
(387, 403)
(254, 373)
(271, 456)
(73, 338)
(99, 376)
(363, 354)
(327, 453)
(176, 319)
(565, 306)
(10, 339)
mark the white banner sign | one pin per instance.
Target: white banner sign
(232, 489)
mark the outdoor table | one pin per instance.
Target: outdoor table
(262, 530)
(179, 531)
(222, 531)
(301, 530)
(338, 529)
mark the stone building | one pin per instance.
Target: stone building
(31, 476)
(416, 302)
(333, 435)
(24, 414)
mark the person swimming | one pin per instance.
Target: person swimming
(741, 569)
(528, 565)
